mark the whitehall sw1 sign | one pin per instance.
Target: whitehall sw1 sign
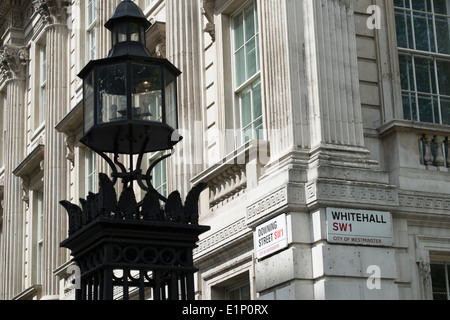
(360, 227)
(271, 237)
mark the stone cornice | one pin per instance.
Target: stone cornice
(6, 5)
(14, 16)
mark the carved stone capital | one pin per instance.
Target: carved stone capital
(13, 61)
(52, 11)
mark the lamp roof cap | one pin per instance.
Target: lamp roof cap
(127, 10)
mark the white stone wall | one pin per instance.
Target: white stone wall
(336, 138)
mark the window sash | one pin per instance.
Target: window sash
(241, 292)
(91, 30)
(424, 65)
(246, 44)
(247, 80)
(251, 112)
(42, 83)
(91, 13)
(440, 278)
(40, 236)
(92, 44)
(90, 171)
(159, 175)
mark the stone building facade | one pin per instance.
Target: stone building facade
(320, 126)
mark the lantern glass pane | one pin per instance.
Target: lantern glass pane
(146, 94)
(112, 93)
(134, 32)
(171, 100)
(122, 32)
(88, 102)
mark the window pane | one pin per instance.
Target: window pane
(240, 67)
(245, 293)
(146, 92)
(249, 22)
(409, 107)
(246, 44)
(421, 5)
(112, 103)
(257, 106)
(88, 102)
(90, 171)
(241, 293)
(428, 109)
(407, 112)
(404, 30)
(425, 75)
(171, 100)
(89, 12)
(423, 29)
(246, 107)
(442, 34)
(445, 110)
(251, 58)
(406, 73)
(238, 31)
(122, 32)
(40, 215)
(443, 68)
(438, 282)
(92, 43)
(159, 181)
(401, 3)
(258, 129)
(440, 6)
(134, 31)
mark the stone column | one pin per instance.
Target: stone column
(13, 63)
(54, 14)
(105, 10)
(284, 88)
(331, 67)
(183, 28)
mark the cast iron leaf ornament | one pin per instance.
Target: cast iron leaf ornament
(105, 205)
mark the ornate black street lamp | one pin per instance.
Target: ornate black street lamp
(130, 98)
(130, 108)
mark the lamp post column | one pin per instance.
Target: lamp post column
(55, 163)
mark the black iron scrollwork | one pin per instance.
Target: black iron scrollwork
(105, 204)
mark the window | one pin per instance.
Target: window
(90, 171)
(91, 29)
(42, 84)
(424, 55)
(247, 82)
(239, 293)
(237, 287)
(159, 175)
(40, 236)
(440, 275)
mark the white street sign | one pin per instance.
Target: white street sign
(360, 227)
(271, 237)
